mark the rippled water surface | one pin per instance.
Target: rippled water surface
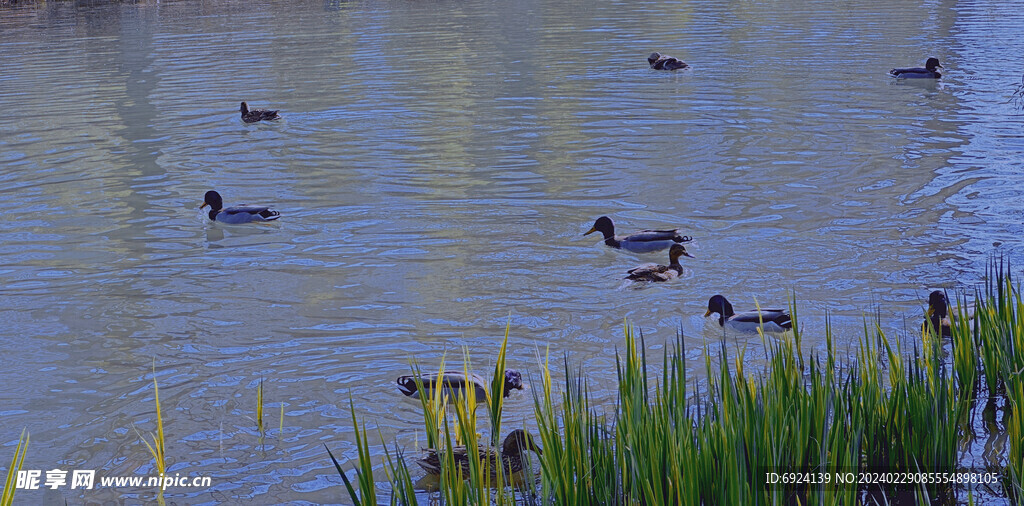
(436, 166)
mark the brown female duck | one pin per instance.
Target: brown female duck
(652, 272)
(516, 443)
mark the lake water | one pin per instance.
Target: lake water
(436, 166)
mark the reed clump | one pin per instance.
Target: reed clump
(894, 409)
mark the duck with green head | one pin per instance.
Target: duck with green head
(645, 241)
(771, 320)
(930, 71)
(456, 383)
(939, 318)
(235, 215)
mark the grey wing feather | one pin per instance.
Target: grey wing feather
(245, 213)
(644, 268)
(657, 235)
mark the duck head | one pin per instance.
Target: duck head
(677, 250)
(718, 304)
(513, 380)
(604, 225)
(519, 441)
(213, 199)
(932, 64)
(937, 305)
(654, 57)
(244, 108)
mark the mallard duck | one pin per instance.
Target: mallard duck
(516, 443)
(456, 382)
(254, 115)
(928, 72)
(775, 320)
(940, 316)
(652, 272)
(659, 61)
(236, 214)
(644, 241)
(937, 316)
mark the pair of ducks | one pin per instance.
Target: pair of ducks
(455, 384)
(659, 61)
(645, 241)
(937, 319)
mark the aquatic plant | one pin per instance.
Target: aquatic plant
(364, 473)
(259, 408)
(159, 447)
(7, 497)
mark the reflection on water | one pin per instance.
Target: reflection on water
(436, 167)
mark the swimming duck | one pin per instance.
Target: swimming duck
(456, 382)
(652, 272)
(236, 214)
(254, 115)
(660, 61)
(644, 241)
(775, 320)
(928, 72)
(937, 316)
(516, 443)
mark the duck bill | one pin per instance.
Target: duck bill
(591, 231)
(687, 254)
(204, 205)
(707, 313)
(930, 312)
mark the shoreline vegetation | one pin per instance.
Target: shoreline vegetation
(898, 410)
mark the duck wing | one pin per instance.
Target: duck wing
(455, 382)
(267, 115)
(645, 268)
(658, 235)
(431, 459)
(673, 64)
(246, 214)
(777, 316)
(652, 272)
(914, 72)
(255, 115)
